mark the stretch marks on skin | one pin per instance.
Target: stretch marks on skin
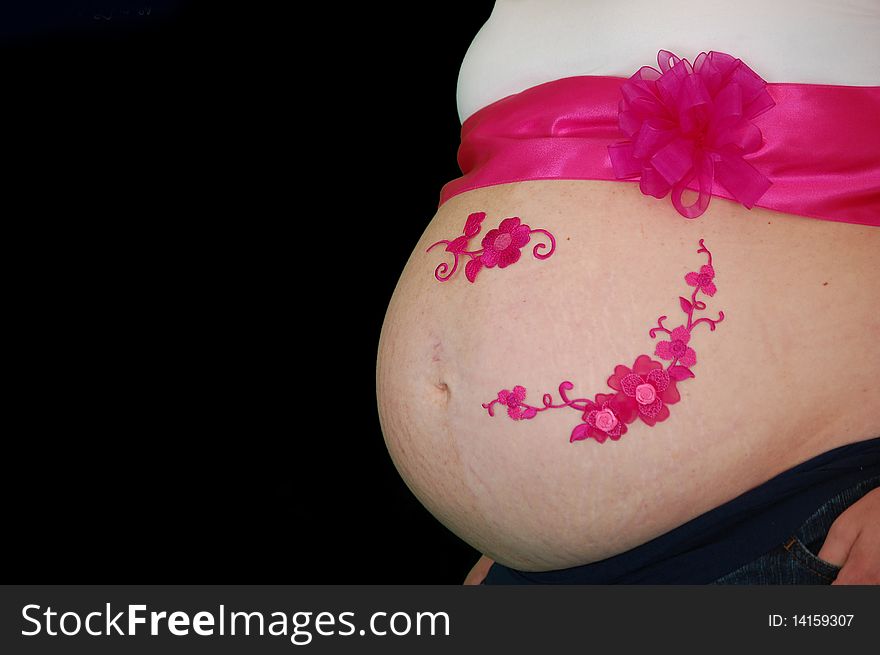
(644, 391)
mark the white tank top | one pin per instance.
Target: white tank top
(528, 42)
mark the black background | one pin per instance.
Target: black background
(206, 209)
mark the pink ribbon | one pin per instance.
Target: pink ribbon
(687, 123)
(820, 142)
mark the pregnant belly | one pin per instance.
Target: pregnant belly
(789, 373)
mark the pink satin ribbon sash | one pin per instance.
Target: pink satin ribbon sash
(820, 149)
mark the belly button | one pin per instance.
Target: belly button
(443, 390)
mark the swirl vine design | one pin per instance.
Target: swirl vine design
(644, 391)
(501, 246)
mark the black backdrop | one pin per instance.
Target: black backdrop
(206, 209)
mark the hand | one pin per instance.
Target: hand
(853, 542)
(478, 573)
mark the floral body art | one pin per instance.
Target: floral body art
(501, 246)
(643, 391)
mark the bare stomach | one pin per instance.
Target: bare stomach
(790, 372)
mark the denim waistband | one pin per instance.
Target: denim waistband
(797, 561)
(720, 540)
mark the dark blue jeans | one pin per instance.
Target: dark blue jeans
(795, 561)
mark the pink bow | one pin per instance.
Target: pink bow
(692, 122)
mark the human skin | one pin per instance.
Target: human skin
(789, 373)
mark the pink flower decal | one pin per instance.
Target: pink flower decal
(503, 244)
(515, 402)
(692, 122)
(501, 247)
(649, 388)
(604, 418)
(645, 391)
(676, 348)
(702, 280)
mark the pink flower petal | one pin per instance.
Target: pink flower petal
(662, 415)
(520, 236)
(662, 350)
(708, 270)
(508, 256)
(670, 395)
(620, 372)
(681, 334)
(659, 378)
(692, 279)
(515, 413)
(489, 239)
(644, 364)
(519, 393)
(589, 406)
(689, 358)
(709, 288)
(629, 384)
(509, 224)
(651, 410)
(625, 408)
(604, 399)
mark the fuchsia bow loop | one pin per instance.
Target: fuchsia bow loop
(689, 123)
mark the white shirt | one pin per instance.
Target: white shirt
(528, 42)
